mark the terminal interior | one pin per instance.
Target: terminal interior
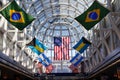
(56, 20)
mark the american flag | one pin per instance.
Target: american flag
(61, 48)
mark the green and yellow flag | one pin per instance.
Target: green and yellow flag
(16, 15)
(92, 15)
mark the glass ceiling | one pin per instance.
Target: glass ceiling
(56, 18)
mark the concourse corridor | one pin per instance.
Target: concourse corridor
(60, 39)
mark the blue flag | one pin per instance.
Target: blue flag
(82, 45)
(44, 60)
(36, 46)
(57, 41)
(34, 50)
(76, 59)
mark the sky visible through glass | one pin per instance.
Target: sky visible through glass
(56, 18)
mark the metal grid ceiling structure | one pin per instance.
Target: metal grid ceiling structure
(53, 18)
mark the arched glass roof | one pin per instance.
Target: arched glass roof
(56, 18)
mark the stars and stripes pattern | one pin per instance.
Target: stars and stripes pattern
(61, 48)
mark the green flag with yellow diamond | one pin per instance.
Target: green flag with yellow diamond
(16, 15)
(92, 15)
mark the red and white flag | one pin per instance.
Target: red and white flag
(39, 67)
(61, 48)
(73, 68)
(49, 68)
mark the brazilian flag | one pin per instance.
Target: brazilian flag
(16, 15)
(92, 15)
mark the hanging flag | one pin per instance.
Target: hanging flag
(73, 68)
(36, 46)
(92, 15)
(57, 41)
(49, 68)
(44, 60)
(61, 48)
(76, 59)
(57, 48)
(65, 48)
(82, 45)
(39, 67)
(16, 15)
